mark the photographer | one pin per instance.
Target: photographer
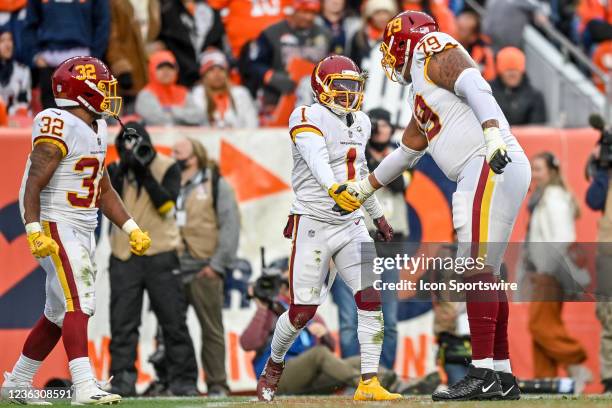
(209, 222)
(599, 198)
(148, 183)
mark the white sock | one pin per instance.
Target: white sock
(395, 163)
(284, 336)
(80, 370)
(370, 332)
(484, 363)
(25, 369)
(502, 365)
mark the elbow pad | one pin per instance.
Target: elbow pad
(477, 92)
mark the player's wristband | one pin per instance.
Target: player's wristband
(130, 226)
(33, 227)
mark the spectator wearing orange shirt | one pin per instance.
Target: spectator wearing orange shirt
(470, 36)
(223, 104)
(376, 14)
(246, 19)
(438, 9)
(162, 101)
(595, 21)
(602, 57)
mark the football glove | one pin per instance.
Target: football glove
(41, 245)
(139, 242)
(345, 202)
(497, 156)
(384, 232)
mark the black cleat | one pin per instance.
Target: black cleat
(509, 386)
(478, 384)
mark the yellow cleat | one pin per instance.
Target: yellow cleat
(371, 390)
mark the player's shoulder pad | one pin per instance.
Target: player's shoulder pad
(305, 119)
(433, 43)
(53, 126)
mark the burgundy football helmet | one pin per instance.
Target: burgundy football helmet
(401, 35)
(337, 82)
(86, 82)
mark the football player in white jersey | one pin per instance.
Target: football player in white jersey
(458, 122)
(63, 187)
(328, 144)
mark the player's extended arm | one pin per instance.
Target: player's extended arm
(44, 159)
(410, 151)
(456, 72)
(313, 150)
(112, 207)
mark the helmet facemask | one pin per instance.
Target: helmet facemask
(342, 92)
(111, 105)
(389, 63)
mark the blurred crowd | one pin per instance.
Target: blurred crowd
(191, 62)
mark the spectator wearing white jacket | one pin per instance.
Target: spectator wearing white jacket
(550, 234)
(223, 104)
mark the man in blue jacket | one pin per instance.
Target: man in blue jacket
(56, 30)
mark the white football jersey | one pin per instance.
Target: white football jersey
(72, 193)
(455, 135)
(346, 148)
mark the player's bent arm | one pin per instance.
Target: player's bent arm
(44, 160)
(456, 72)
(410, 151)
(313, 150)
(112, 207)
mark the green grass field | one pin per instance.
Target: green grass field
(536, 401)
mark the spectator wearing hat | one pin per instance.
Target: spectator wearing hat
(188, 27)
(438, 9)
(341, 24)
(15, 81)
(269, 56)
(223, 104)
(470, 36)
(376, 14)
(521, 103)
(162, 101)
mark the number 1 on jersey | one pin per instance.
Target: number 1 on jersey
(351, 156)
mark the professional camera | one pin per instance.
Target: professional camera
(267, 286)
(605, 141)
(141, 148)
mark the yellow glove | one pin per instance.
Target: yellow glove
(139, 240)
(345, 200)
(41, 245)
